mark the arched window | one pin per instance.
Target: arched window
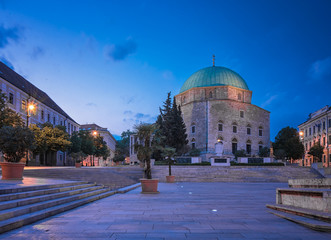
(193, 128)
(184, 99)
(210, 95)
(234, 127)
(220, 126)
(239, 96)
(260, 145)
(234, 145)
(248, 147)
(248, 129)
(193, 143)
(260, 131)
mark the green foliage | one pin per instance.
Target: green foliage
(143, 146)
(87, 145)
(49, 138)
(123, 146)
(101, 149)
(8, 117)
(15, 142)
(240, 153)
(264, 152)
(171, 127)
(317, 151)
(256, 164)
(195, 152)
(77, 156)
(288, 140)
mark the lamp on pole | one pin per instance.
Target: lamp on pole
(94, 133)
(29, 109)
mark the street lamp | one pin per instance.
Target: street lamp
(29, 109)
(301, 135)
(94, 133)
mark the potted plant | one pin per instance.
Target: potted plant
(78, 158)
(168, 153)
(144, 133)
(15, 142)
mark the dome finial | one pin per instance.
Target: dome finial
(213, 60)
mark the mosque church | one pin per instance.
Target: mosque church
(217, 110)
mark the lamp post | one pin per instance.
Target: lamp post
(29, 109)
(301, 139)
(94, 133)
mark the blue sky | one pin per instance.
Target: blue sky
(113, 62)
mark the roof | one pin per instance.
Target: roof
(21, 83)
(214, 76)
(93, 126)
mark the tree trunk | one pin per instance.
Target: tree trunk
(169, 161)
(148, 172)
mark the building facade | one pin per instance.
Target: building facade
(21, 94)
(317, 129)
(111, 144)
(216, 107)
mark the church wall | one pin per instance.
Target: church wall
(223, 105)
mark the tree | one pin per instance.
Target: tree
(75, 150)
(240, 153)
(317, 151)
(123, 146)
(15, 141)
(264, 152)
(101, 149)
(288, 140)
(143, 146)
(8, 117)
(50, 139)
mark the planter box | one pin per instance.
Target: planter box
(149, 185)
(78, 164)
(12, 171)
(170, 179)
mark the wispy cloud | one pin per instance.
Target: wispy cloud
(119, 52)
(7, 35)
(91, 104)
(269, 100)
(128, 99)
(136, 118)
(37, 52)
(320, 70)
(168, 75)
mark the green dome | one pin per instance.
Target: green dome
(214, 76)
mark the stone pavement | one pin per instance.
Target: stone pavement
(181, 211)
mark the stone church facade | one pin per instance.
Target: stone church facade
(216, 107)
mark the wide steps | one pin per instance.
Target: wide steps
(306, 220)
(21, 206)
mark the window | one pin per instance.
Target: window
(235, 129)
(260, 146)
(53, 120)
(220, 127)
(11, 98)
(193, 129)
(260, 131)
(61, 123)
(48, 118)
(323, 141)
(323, 125)
(234, 145)
(184, 99)
(329, 139)
(319, 127)
(248, 130)
(314, 130)
(23, 104)
(239, 96)
(210, 95)
(309, 131)
(193, 143)
(248, 147)
(42, 114)
(68, 127)
(75, 128)
(241, 114)
(329, 122)
(306, 132)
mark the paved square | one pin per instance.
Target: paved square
(180, 211)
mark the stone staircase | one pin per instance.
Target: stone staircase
(306, 202)
(25, 205)
(113, 178)
(234, 173)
